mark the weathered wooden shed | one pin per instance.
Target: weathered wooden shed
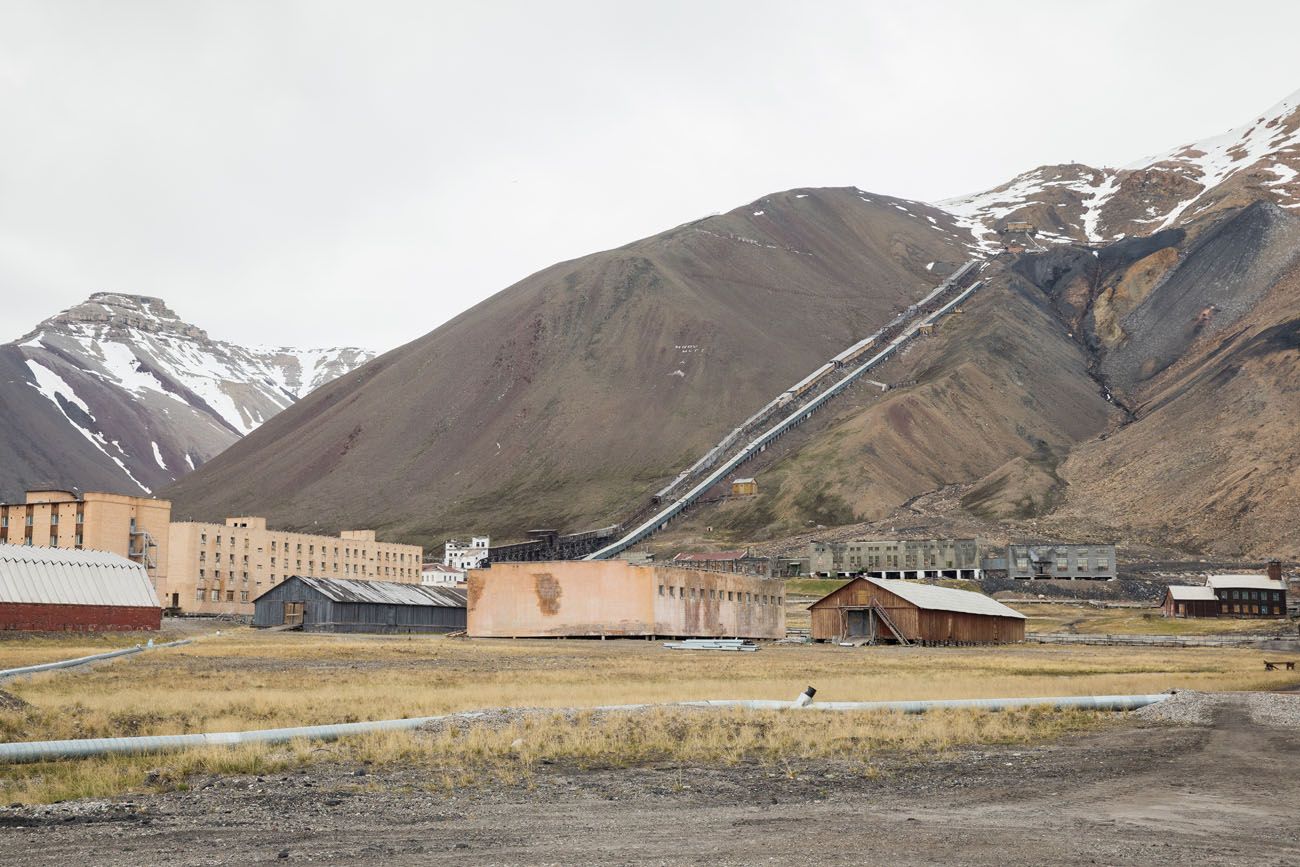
(906, 612)
(1183, 600)
(347, 605)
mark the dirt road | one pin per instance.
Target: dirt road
(1222, 793)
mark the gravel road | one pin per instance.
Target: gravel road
(1207, 780)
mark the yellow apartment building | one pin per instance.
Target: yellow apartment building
(222, 568)
(195, 567)
(133, 527)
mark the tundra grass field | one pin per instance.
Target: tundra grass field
(243, 679)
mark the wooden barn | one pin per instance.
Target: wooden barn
(348, 605)
(906, 612)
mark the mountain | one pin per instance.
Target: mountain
(1128, 376)
(1075, 203)
(565, 398)
(120, 394)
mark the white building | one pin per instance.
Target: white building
(459, 555)
(439, 575)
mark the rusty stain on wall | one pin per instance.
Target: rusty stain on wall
(548, 592)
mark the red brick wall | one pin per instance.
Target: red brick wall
(77, 618)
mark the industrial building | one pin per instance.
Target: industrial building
(132, 527)
(347, 605)
(222, 568)
(1230, 596)
(608, 598)
(1093, 562)
(547, 545)
(59, 589)
(873, 610)
(896, 558)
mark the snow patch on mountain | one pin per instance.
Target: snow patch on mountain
(164, 386)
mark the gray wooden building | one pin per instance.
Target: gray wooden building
(346, 605)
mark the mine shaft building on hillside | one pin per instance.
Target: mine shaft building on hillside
(906, 612)
(57, 589)
(343, 605)
(609, 598)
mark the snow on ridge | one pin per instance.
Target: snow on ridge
(52, 386)
(157, 455)
(1209, 162)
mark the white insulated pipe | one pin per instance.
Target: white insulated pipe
(44, 751)
(83, 660)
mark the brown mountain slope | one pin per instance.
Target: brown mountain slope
(1211, 461)
(1000, 391)
(1009, 403)
(564, 399)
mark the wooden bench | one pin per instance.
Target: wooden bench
(1272, 666)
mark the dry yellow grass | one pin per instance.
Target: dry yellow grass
(456, 757)
(246, 679)
(1048, 617)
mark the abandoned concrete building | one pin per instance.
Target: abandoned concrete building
(875, 610)
(1094, 562)
(609, 598)
(896, 558)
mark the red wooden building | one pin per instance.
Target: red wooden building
(58, 589)
(908, 612)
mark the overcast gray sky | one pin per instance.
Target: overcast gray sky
(326, 173)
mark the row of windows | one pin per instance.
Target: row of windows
(348, 568)
(1263, 595)
(201, 595)
(29, 516)
(348, 553)
(1251, 609)
(715, 595)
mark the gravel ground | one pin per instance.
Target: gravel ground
(1188, 707)
(1141, 791)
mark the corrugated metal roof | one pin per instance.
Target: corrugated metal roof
(934, 598)
(68, 576)
(1248, 582)
(384, 592)
(1192, 593)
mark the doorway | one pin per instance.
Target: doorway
(293, 613)
(859, 623)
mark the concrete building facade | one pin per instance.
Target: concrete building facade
(1058, 560)
(136, 528)
(897, 558)
(222, 568)
(602, 598)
